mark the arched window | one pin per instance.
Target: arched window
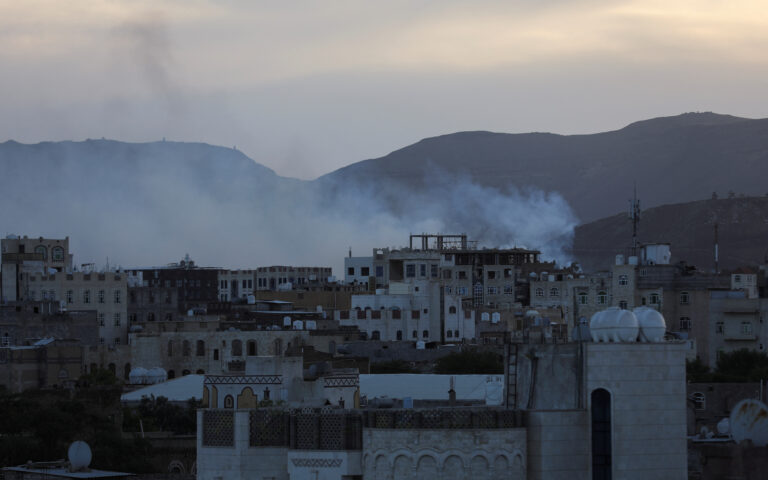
(623, 280)
(699, 400)
(583, 298)
(185, 348)
(229, 402)
(539, 292)
(200, 372)
(184, 373)
(452, 309)
(685, 324)
(57, 254)
(425, 334)
(601, 434)
(554, 292)
(237, 348)
(200, 348)
(376, 335)
(602, 298)
(399, 335)
(42, 250)
(251, 348)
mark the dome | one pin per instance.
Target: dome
(652, 324)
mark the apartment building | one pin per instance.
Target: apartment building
(22, 256)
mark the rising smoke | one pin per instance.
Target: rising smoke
(149, 204)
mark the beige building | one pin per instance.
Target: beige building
(22, 256)
(45, 364)
(236, 285)
(105, 292)
(576, 296)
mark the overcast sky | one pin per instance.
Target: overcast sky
(308, 87)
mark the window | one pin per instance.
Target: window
(117, 296)
(415, 314)
(746, 328)
(699, 401)
(415, 334)
(493, 290)
(491, 274)
(554, 292)
(447, 290)
(70, 296)
(583, 298)
(365, 271)
(539, 292)
(101, 319)
(654, 299)
(456, 333)
(623, 280)
(42, 251)
(685, 298)
(229, 402)
(685, 324)
(101, 340)
(451, 309)
(433, 271)
(117, 341)
(200, 348)
(602, 298)
(86, 296)
(251, 348)
(244, 284)
(237, 348)
(399, 335)
(509, 290)
(623, 304)
(116, 319)
(57, 254)
(375, 335)
(423, 270)
(461, 291)
(151, 316)
(410, 270)
(720, 328)
(425, 334)
(461, 275)
(351, 271)
(449, 334)
(737, 278)
(100, 296)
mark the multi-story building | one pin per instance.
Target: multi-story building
(47, 363)
(236, 285)
(24, 256)
(576, 295)
(105, 292)
(23, 323)
(283, 277)
(736, 321)
(196, 286)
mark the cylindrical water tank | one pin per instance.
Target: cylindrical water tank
(614, 325)
(651, 323)
(619, 259)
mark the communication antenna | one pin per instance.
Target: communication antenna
(717, 253)
(634, 215)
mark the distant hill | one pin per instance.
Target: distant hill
(689, 227)
(671, 159)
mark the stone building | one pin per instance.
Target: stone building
(578, 296)
(47, 363)
(236, 285)
(284, 277)
(105, 292)
(23, 323)
(24, 256)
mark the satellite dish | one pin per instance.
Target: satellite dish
(79, 455)
(749, 421)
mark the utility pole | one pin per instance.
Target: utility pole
(634, 215)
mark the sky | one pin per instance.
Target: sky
(307, 87)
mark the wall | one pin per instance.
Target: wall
(558, 444)
(446, 454)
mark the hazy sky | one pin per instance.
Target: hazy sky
(307, 87)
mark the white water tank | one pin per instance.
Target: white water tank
(286, 321)
(749, 421)
(485, 317)
(156, 375)
(619, 259)
(614, 325)
(138, 376)
(633, 260)
(651, 323)
(311, 325)
(495, 317)
(298, 325)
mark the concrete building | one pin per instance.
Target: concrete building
(358, 269)
(24, 323)
(105, 292)
(735, 322)
(236, 285)
(576, 295)
(283, 277)
(24, 256)
(572, 410)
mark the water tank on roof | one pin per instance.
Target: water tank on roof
(286, 321)
(156, 375)
(614, 325)
(420, 345)
(633, 260)
(485, 317)
(651, 323)
(311, 325)
(298, 325)
(749, 421)
(495, 317)
(619, 259)
(251, 300)
(138, 376)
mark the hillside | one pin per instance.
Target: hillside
(671, 159)
(689, 227)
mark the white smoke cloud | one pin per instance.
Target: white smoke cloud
(144, 205)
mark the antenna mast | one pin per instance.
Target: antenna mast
(717, 253)
(634, 215)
